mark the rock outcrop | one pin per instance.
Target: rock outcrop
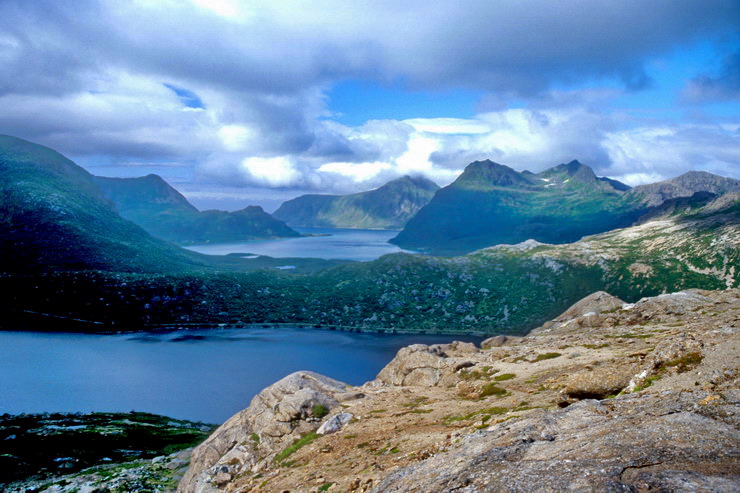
(609, 396)
(664, 442)
(281, 413)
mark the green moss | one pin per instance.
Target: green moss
(491, 389)
(325, 486)
(254, 437)
(504, 377)
(544, 356)
(648, 382)
(319, 411)
(686, 362)
(296, 446)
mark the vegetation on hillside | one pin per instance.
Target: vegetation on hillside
(388, 207)
(163, 212)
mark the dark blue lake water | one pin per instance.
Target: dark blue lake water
(205, 375)
(349, 244)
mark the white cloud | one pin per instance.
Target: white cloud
(359, 172)
(79, 78)
(274, 172)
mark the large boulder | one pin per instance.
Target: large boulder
(606, 380)
(586, 312)
(427, 366)
(278, 415)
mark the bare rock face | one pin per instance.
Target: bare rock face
(276, 416)
(495, 341)
(638, 443)
(334, 423)
(420, 365)
(585, 312)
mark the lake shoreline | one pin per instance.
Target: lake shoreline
(80, 326)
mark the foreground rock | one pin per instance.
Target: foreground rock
(607, 397)
(664, 442)
(282, 413)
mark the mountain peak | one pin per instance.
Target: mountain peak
(488, 172)
(418, 181)
(686, 185)
(574, 169)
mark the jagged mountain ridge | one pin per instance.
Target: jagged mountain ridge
(491, 204)
(153, 204)
(386, 207)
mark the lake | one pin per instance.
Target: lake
(348, 244)
(204, 375)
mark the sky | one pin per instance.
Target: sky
(255, 102)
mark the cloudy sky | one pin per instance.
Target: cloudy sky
(253, 102)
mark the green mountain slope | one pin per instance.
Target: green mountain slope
(695, 243)
(54, 217)
(492, 204)
(387, 207)
(163, 212)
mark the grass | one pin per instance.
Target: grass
(686, 362)
(416, 402)
(485, 414)
(490, 389)
(319, 411)
(544, 356)
(254, 437)
(648, 382)
(482, 374)
(595, 346)
(504, 377)
(325, 486)
(630, 335)
(681, 364)
(296, 446)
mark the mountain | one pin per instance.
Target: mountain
(684, 186)
(492, 204)
(506, 288)
(388, 207)
(162, 211)
(53, 216)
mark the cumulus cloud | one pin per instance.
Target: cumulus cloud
(236, 92)
(271, 171)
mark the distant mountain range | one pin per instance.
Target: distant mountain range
(693, 244)
(67, 258)
(162, 211)
(388, 207)
(491, 204)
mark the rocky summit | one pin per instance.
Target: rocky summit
(609, 396)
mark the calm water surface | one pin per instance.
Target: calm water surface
(205, 375)
(349, 244)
